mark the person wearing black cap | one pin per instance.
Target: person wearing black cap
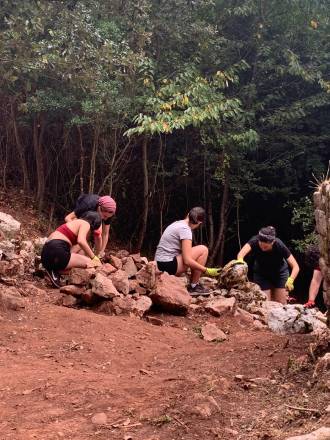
(272, 263)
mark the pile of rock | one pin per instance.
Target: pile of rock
(126, 284)
(17, 258)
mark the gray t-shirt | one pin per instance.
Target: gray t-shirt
(169, 245)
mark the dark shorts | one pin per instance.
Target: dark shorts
(271, 281)
(170, 267)
(55, 255)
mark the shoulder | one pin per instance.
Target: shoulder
(253, 241)
(280, 245)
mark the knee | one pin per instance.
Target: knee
(204, 250)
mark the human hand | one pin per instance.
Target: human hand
(213, 271)
(95, 261)
(289, 284)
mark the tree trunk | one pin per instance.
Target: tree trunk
(219, 244)
(81, 160)
(38, 131)
(21, 152)
(209, 211)
(145, 210)
(93, 160)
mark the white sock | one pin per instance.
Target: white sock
(193, 284)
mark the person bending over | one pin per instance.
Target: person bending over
(175, 252)
(271, 265)
(312, 260)
(106, 207)
(57, 255)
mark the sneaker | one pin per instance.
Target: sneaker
(54, 277)
(198, 290)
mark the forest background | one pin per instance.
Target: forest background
(166, 105)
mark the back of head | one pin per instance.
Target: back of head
(312, 256)
(108, 203)
(267, 234)
(196, 215)
(93, 218)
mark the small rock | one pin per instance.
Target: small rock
(220, 306)
(103, 287)
(155, 321)
(116, 262)
(69, 301)
(141, 306)
(99, 419)
(211, 332)
(120, 281)
(129, 267)
(81, 277)
(71, 289)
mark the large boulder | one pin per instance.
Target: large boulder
(9, 227)
(170, 294)
(234, 275)
(292, 318)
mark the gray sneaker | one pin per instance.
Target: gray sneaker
(198, 290)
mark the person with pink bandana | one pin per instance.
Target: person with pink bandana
(106, 207)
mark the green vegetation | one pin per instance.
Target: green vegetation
(167, 105)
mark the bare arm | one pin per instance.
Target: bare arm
(294, 266)
(246, 249)
(105, 237)
(315, 285)
(186, 246)
(84, 228)
(70, 217)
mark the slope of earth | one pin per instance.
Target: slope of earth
(74, 374)
(60, 367)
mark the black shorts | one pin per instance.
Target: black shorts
(275, 280)
(55, 255)
(170, 267)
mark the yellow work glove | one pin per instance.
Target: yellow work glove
(289, 284)
(213, 271)
(96, 259)
(239, 261)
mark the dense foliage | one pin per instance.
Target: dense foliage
(166, 105)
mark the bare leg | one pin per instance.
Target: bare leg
(77, 260)
(199, 254)
(280, 295)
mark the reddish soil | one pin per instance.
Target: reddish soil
(59, 367)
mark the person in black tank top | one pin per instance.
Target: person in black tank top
(272, 264)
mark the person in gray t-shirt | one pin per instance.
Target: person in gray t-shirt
(175, 252)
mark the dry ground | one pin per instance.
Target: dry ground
(59, 367)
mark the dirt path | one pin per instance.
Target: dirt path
(59, 367)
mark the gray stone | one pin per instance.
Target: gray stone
(9, 227)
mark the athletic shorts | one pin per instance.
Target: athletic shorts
(271, 281)
(170, 267)
(55, 255)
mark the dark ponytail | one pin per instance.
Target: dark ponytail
(93, 218)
